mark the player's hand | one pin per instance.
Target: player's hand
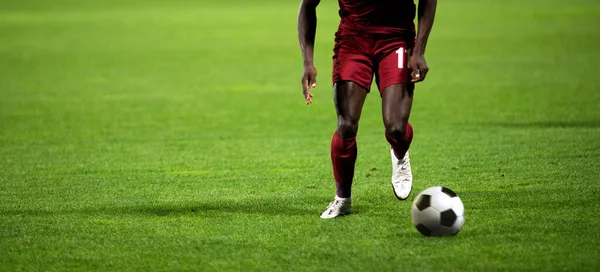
(309, 80)
(419, 68)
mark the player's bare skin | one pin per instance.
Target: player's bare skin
(426, 16)
(349, 99)
(396, 105)
(307, 27)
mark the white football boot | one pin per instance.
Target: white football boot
(401, 176)
(339, 207)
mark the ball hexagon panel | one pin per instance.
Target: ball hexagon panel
(441, 202)
(428, 217)
(432, 190)
(457, 206)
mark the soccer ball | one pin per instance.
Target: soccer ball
(438, 211)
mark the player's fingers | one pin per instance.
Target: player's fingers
(308, 97)
(305, 86)
(416, 75)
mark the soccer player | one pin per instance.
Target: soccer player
(374, 38)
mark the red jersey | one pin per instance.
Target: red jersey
(394, 17)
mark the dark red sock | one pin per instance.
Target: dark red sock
(343, 157)
(401, 143)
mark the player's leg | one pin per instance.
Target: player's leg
(352, 76)
(349, 98)
(396, 106)
(393, 78)
(397, 102)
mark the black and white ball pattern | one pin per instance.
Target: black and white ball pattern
(438, 211)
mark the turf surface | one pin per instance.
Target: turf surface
(154, 135)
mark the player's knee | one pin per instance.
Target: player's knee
(396, 129)
(347, 128)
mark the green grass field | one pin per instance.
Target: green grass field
(172, 135)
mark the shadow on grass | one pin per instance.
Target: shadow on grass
(273, 207)
(549, 124)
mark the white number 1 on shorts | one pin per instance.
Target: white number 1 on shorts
(401, 53)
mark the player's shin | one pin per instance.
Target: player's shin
(343, 158)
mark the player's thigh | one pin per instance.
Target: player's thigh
(349, 98)
(397, 100)
(352, 60)
(393, 80)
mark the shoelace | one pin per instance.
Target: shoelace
(332, 204)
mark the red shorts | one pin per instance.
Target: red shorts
(357, 58)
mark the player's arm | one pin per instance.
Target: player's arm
(307, 28)
(426, 15)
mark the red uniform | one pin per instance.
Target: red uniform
(373, 39)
